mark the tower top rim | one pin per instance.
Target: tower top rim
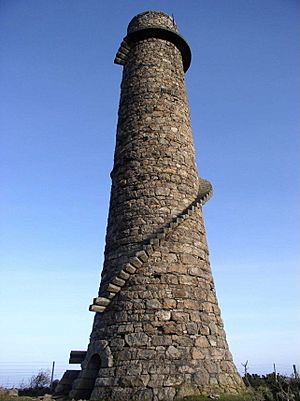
(155, 24)
(152, 18)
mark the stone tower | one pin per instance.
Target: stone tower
(157, 332)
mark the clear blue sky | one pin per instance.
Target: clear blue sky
(58, 112)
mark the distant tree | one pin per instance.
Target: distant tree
(42, 379)
(38, 384)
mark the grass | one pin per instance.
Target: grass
(14, 398)
(223, 397)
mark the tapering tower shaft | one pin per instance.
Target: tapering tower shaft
(157, 331)
(154, 175)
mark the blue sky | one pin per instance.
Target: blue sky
(58, 113)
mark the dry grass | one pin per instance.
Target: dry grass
(14, 398)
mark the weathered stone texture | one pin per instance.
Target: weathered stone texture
(162, 334)
(150, 19)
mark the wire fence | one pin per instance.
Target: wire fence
(16, 374)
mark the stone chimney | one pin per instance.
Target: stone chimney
(157, 332)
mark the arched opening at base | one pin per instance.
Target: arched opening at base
(89, 377)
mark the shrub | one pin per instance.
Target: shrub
(38, 385)
(272, 387)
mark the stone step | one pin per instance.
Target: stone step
(102, 301)
(125, 44)
(65, 384)
(142, 255)
(122, 56)
(97, 308)
(118, 60)
(148, 249)
(129, 268)
(136, 262)
(124, 275)
(155, 243)
(77, 357)
(118, 281)
(124, 50)
(113, 288)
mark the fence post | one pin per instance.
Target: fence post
(52, 375)
(295, 372)
(275, 373)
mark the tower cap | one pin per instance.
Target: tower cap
(152, 19)
(158, 25)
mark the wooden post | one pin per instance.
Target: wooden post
(52, 375)
(275, 373)
(295, 372)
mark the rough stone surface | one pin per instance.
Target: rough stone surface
(162, 335)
